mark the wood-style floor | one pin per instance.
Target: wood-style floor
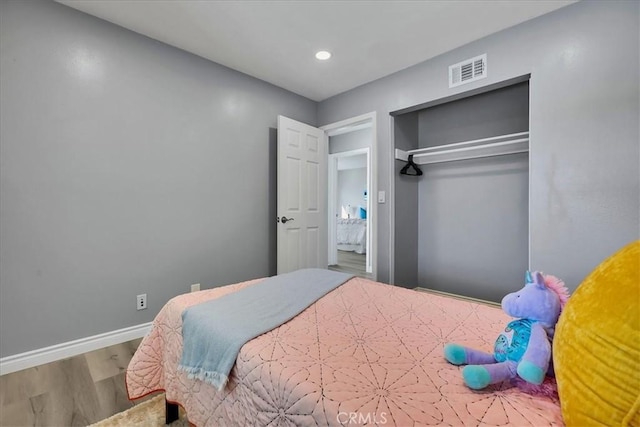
(353, 263)
(72, 392)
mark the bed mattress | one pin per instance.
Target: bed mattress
(366, 353)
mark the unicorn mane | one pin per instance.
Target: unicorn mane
(558, 287)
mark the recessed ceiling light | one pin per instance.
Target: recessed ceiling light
(323, 55)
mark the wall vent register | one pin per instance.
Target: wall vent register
(468, 71)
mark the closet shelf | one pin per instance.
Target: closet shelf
(478, 148)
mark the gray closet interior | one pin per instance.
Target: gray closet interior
(462, 227)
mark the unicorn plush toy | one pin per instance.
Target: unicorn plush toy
(524, 348)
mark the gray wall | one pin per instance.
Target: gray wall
(473, 214)
(127, 167)
(472, 233)
(406, 131)
(584, 108)
(497, 112)
(351, 186)
(350, 141)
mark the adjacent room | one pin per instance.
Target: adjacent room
(348, 200)
(319, 213)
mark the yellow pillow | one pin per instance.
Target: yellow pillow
(596, 348)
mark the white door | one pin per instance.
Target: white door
(302, 196)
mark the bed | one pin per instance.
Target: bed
(352, 235)
(365, 353)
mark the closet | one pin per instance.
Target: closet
(462, 225)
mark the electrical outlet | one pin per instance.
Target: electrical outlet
(195, 287)
(141, 302)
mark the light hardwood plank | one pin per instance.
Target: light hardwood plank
(352, 263)
(77, 391)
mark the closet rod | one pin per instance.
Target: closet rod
(481, 144)
(447, 147)
(475, 147)
(515, 150)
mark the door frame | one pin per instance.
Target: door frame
(343, 126)
(332, 203)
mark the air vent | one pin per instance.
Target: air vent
(468, 71)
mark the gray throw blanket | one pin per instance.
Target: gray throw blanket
(214, 331)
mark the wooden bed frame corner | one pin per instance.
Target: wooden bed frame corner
(171, 411)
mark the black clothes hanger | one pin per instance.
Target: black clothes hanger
(411, 165)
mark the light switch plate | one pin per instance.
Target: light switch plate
(382, 197)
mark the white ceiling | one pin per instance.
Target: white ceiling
(276, 40)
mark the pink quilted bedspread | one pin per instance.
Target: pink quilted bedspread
(365, 354)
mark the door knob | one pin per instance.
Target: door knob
(284, 219)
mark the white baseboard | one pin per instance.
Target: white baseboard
(61, 351)
(462, 297)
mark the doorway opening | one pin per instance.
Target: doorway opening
(351, 211)
(349, 203)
